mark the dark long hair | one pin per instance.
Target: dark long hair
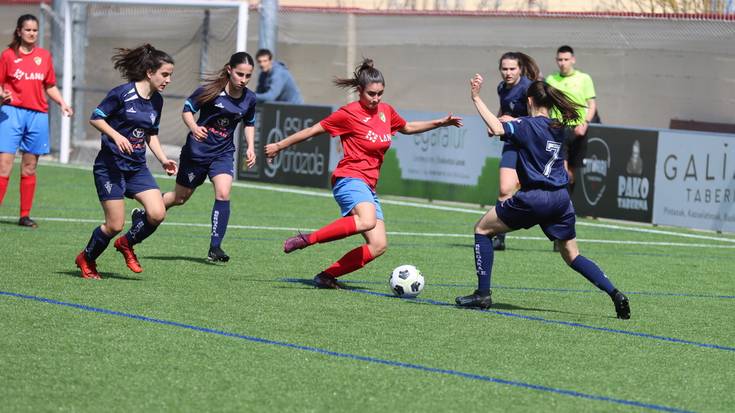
(365, 74)
(528, 66)
(550, 97)
(213, 85)
(134, 64)
(15, 44)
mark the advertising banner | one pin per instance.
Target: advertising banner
(617, 177)
(447, 155)
(695, 181)
(304, 164)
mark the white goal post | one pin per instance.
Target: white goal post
(68, 67)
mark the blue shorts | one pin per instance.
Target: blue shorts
(191, 174)
(23, 129)
(509, 157)
(552, 210)
(348, 192)
(113, 183)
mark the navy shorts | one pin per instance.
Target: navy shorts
(552, 210)
(113, 183)
(509, 157)
(192, 173)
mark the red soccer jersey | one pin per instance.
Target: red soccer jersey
(27, 76)
(366, 136)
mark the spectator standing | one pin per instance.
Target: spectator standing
(275, 83)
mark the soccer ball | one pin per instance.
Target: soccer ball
(406, 281)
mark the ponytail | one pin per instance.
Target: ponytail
(364, 74)
(549, 97)
(528, 66)
(214, 85)
(134, 64)
(17, 40)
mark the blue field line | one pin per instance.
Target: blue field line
(367, 359)
(565, 290)
(540, 319)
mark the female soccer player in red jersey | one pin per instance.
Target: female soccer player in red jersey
(128, 118)
(26, 72)
(222, 102)
(365, 128)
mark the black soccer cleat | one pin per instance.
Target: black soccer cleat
(475, 299)
(217, 255)
(324, 280)
(498, 243)
(27, 222)
(622, 306)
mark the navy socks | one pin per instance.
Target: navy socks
(220, 218)
(140, 229)
(97, 244)
(593, 273)
(484, 255)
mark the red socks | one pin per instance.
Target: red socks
(27, 190)
(352, 261)
(341, 228)
(3, 187)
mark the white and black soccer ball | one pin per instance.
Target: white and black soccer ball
(406, 281)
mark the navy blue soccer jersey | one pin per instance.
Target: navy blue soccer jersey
(513, 100)
(133, 117)
(540, 163)
(220, 116)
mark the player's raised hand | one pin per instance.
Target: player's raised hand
(199, 133)
(170, 166)
(476, 85)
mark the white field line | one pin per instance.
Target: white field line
(394, 233)
(326, 194)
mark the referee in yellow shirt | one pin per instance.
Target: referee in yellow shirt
(579, 88)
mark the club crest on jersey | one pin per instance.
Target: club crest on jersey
(153, 118)
(37, 60)
(223, 122)
(382, 116)
(108, 187)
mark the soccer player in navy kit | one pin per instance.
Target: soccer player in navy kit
(543, 199)
(128, 118)
(222, 102)
(518, 71)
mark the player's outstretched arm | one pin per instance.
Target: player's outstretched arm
(427, 125)
(272, 149)
(490, 119)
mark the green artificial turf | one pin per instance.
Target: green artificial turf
(65, 358)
